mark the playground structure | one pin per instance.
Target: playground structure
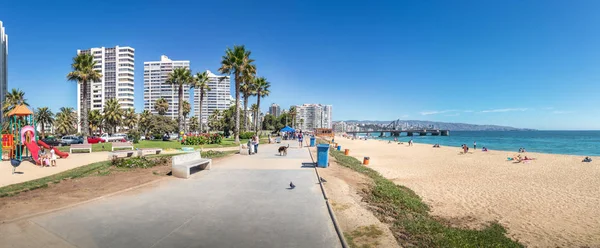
(22, 134)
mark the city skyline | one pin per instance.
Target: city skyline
(156, 74)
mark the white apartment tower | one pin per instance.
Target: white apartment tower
(3, 66)
(218, 98)
(116, 65)
(155, 75)
(311, 116)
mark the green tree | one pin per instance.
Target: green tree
(180, 77)
(66, 121)
(144, 121)
(44, 116)
(215, 121)
(254, 109)
(237, 61)
(201, 83)
(292, 113)
(186, 111)
(84, 73)
(159, 125)
(161, 105)
(95, 118)
(193, 124)
(130, 118)
(14, 98)
(247, 88)
(270, 122)
(262, 90)
(113, 114)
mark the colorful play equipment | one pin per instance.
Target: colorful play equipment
(22, 134)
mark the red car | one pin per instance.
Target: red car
(94, 140)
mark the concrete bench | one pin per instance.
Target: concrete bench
(148, 151)
(120, 145)
(80, 147)
(120, 154)
(186, 164)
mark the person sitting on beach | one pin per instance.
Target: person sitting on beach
(526, 158)
(587, 159)
(484, 149)
(524, 149)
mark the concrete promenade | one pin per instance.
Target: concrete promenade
(244, 201)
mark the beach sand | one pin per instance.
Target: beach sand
(551, 201)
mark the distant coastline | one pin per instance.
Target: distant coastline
(438, 125)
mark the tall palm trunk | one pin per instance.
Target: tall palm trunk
(257, 110)
(84, 112)
(246, 112)
(43, 131)
(180, 108)
(236, 132)
(200, 119)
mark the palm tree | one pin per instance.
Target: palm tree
(66, 121)
(237, 61)
(161, 105)
(84, 73)
(262, 90)
(180, 77)
(193, 124)
(254, 109)
(201, 83)
(247, 89)
(293, 112)
(130, 119)
(113, 115)
(214, 120)
(95, 118)
(144, 121)
(302, 123)
(44, 116)
(186, 110)
(14, 98)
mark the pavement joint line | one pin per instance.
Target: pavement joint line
(52, 233)
(87, 201)
(337, 227)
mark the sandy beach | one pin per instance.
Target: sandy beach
(551, 201)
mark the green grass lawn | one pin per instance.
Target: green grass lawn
(165, 145)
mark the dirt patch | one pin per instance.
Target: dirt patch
(361, 228)
(71, 191)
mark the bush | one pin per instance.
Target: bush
(203, 139)
(139, 162)
(134, 135)
(246, 135)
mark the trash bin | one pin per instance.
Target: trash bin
(312, 141)
(347, 152)
(323, 155)
(366, 161)
(339, 148)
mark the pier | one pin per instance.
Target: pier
(412, 132)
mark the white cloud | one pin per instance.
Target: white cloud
(468, 111)
(503, 110)
(435, 112)
(456, 114)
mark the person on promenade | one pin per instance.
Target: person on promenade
(300, 138)
(52, 156)
(41, 156)
(474, 145)
(256, 141)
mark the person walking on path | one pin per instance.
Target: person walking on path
(300, 138)
(410, 142)
(256, 143)
(474, 145)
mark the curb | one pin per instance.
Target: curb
(337, 227)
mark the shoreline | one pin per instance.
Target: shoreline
(550, 201)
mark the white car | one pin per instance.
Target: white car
(116, 137)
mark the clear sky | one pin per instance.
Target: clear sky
(532, 64)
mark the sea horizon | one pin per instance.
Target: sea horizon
(567, 142)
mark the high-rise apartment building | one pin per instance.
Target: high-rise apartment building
(155, 75)
(218, 98)
(274, 110)
(3, 66)
(116, 65)
(311, 116)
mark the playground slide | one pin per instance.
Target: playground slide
(56, 151)
(33, 149)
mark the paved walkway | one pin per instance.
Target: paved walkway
(244, 201)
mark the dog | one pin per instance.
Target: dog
(283, 150)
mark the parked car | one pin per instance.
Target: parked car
(52, 141)
(108, 138)
(69, 140)
(94, 140)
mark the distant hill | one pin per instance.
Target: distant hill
(446, 125)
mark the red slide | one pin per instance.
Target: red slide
(33, 149)
(56, 151)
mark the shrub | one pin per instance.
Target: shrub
(246, 135)
(202, 139)
(139, 162)
(134, 134)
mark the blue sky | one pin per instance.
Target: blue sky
(528, 64)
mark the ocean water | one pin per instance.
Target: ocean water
(584, 143)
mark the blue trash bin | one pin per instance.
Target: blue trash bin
(339, 148)
(312, 141)
(323, 155)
